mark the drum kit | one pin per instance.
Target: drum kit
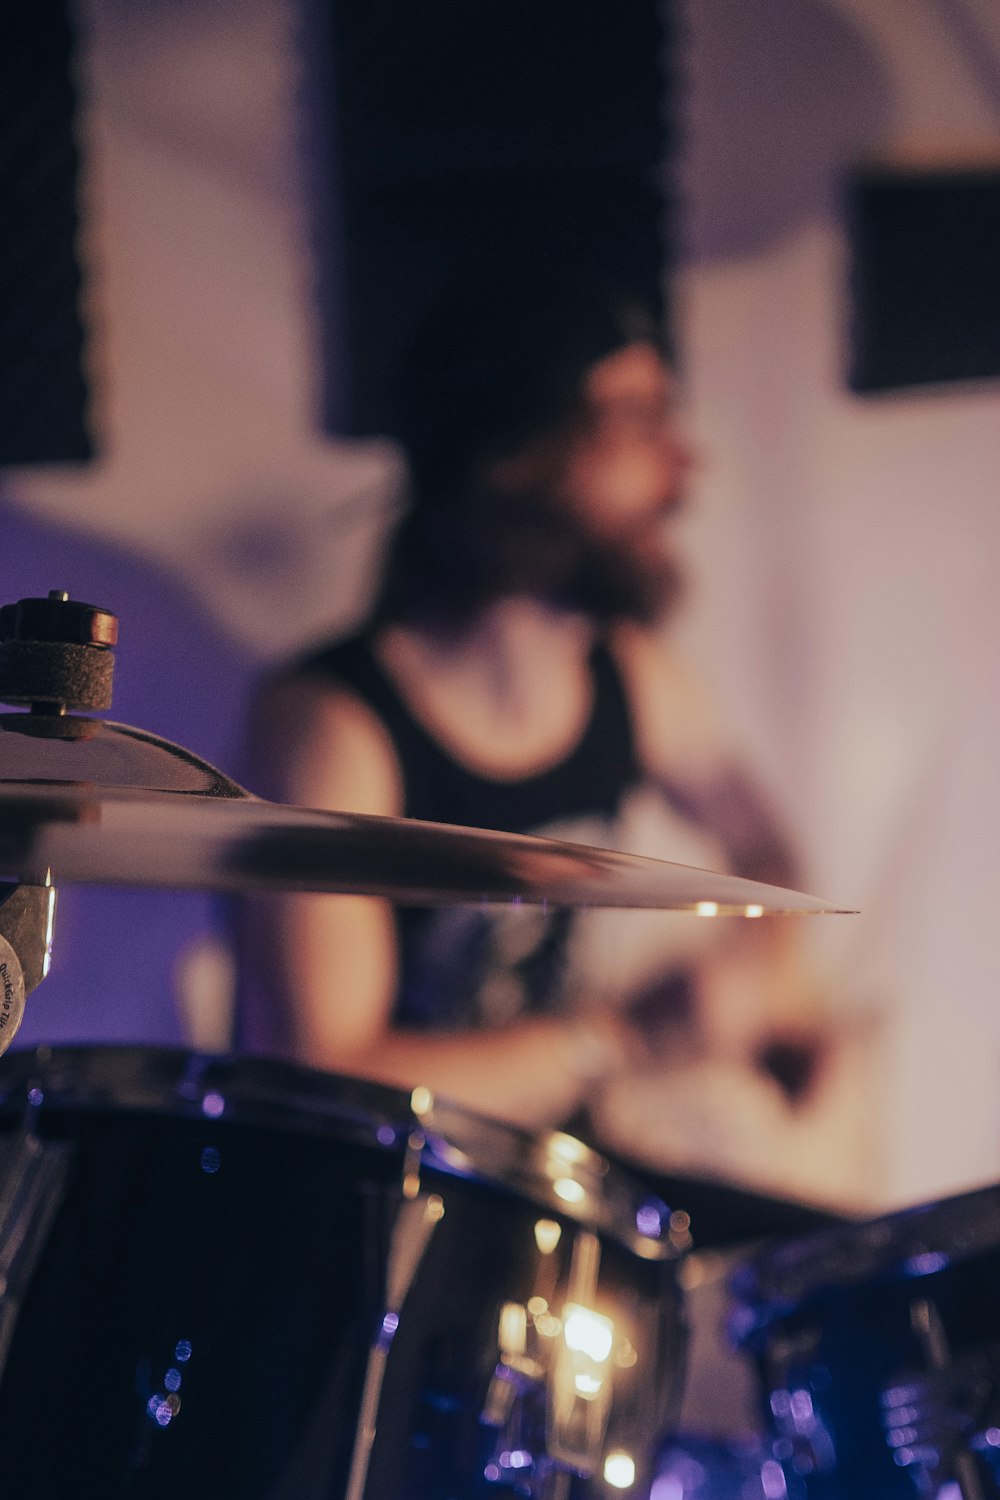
(226, 1277)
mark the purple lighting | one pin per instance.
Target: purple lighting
(518, 1458)
(648, 1221)
(927, 1263)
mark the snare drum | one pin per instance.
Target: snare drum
(225, 1278)
(879, 1347)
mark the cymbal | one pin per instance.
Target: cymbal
(79, 833)
(91, 802)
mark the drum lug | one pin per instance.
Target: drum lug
(31, 1191)
(416, 1220)
(27, 920)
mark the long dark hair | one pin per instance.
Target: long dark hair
(495, 366)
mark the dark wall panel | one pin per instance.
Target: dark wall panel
(925, 278)
(43, 392)
(467, 136)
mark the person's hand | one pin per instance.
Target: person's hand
(707, 1116)
(601, 1045)
(759, 987)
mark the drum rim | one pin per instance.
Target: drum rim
(902, 1246)
(445, 1137)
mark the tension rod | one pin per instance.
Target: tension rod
(27, 920)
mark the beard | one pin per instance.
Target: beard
(449, 562)
(613, 581)
(526, 544)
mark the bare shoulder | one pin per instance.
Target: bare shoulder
(678, 728)
(316, 744)
(683, 743)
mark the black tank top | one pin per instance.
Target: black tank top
(445, 957)
(591, 778)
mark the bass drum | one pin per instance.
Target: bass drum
(879, 1349)
(226, 1278)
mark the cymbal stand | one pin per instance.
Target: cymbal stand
(55, 654)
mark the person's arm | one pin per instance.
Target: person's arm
(757, 984)
(766, 1085)
(319, 973)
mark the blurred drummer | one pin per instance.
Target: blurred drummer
(514, 674)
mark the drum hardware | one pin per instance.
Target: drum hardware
(418, 1214)
(218, 1296)
(27, 920)
(986, 1442)
(55, 654)
(878, 1345)
(414, 1224)
(32, 1191)
(88, 802)
(553, 1386)
(582, 1375)
(563, 1389)
(699, 1468)
(552, 1392)
(931, 1422)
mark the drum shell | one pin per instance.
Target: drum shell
(837, 1324)
(200, 1281)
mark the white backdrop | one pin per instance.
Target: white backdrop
(845, 549)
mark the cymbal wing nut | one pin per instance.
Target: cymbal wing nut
(55, 654)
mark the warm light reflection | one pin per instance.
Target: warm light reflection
(547, 1235)
(707, 908)
(421, 1100)
(626, 1356)
(567, 1147)
(513, 1328)
(569, 1190)
(619, 1470)
(680, 1230)
(537, 1306)
(50, 923)
(581, 1388)
(454, 1157)
(753, 910)
(588, 1332)
(691, 1273)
